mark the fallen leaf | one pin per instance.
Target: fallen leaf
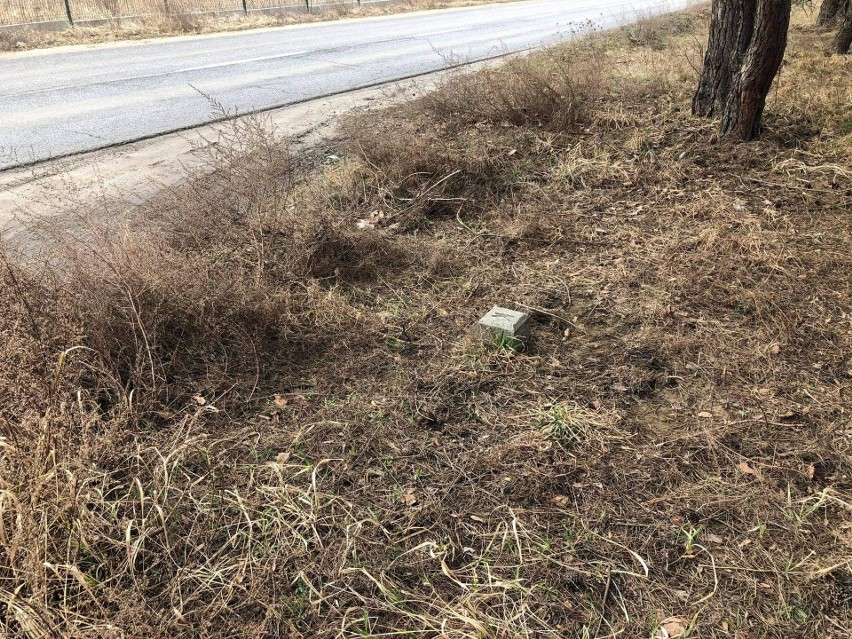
(408, 497)
(811, 471)
(705, 415)
(773, 349)
(748, 470)
(477, 519)
(282, 458)
(280, 402)
(713, 539)
(672, 627)
(371, 221)
(199, 400)
(561, 501)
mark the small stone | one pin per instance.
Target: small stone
(503, 323)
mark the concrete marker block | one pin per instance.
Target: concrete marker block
(505, 324)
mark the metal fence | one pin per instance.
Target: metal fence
(32, 12)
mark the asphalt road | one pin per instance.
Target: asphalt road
(71, 100)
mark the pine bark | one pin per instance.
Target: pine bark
(731, 26)
(828, 12)
(744, 109)
(744, 52)
(843, 39)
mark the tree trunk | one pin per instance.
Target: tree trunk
(744, 108)
(843, 39)
(731, 26)
(744, 52)
(828, 12)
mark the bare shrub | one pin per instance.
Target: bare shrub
(173, 21)
(11, 40)
(225, 285)
(656, 32)
(459, 148)
(551, 90)
(109, 7)
(241, 272)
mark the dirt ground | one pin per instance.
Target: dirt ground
(262, 406)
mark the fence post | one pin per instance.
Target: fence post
(308, 5)
(68, 12)
(245, 7)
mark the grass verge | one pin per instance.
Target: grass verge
(263, 408)
(159, 23)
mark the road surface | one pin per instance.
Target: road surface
(74, 99)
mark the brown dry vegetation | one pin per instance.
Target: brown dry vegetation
(247, 417)
(159, 23)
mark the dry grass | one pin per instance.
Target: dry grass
(245, 416)
(158, 23)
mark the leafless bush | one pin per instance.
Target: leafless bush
(458, 149)
(109, 7)
(11, 40)
(551, 90)
(656, 31)
(240, 271)
(171, 19)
